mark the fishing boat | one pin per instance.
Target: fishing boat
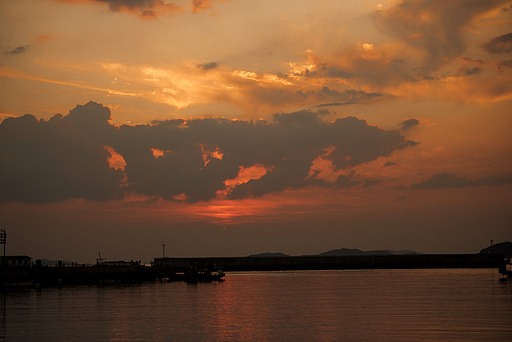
(505, 270)
(195, 275)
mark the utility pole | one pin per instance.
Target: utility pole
(163, 247)
(3, 240)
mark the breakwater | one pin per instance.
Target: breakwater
(177, 268)
(230, 264)
(75, 275)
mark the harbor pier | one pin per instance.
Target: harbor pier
(231, 264)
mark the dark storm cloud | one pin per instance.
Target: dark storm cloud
(303, 117)
(65, 157)
(349, 96)
(118, 5)
(44, 161)
(368, 183)
(409, 123)
(505, 64)
(501, 44)
(207, 66)
(468, 71)
(146, 9)
(451, 180)
(17, 51)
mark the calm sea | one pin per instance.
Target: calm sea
(356, 305)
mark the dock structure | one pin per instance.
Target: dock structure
(230, 264)
(177, 269)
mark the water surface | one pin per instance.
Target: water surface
(355, 305)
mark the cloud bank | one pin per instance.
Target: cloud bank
(18, 50)
(81, 155)
(501, 44)
(148, 9)
(145, 9)
(451, 180)
(409, 123)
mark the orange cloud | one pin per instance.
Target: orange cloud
(209, 154)
(200, 5)
(158, 153)
(322, 168)
(42, 39)
(245, 174)
(116, 161)
(248, 173)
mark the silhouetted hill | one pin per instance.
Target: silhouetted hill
(269, 255)
(499, 248)
(404, 252)
(343, 252)
(351, 252)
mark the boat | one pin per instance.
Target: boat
(506, 271)
(195, 275)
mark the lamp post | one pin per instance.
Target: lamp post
(163, 250)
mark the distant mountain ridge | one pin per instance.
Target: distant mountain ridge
(268, 255)
(353, 252)
(342, 252)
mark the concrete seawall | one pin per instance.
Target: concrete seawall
(336, 262)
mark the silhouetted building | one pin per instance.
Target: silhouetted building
(177, 264)
(16, 261)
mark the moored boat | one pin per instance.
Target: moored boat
(195, 275)
(505, 269)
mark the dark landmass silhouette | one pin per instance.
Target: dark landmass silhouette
(405, 252)
(499, 248)
(343, 252)
(268, 255)
(352, 252)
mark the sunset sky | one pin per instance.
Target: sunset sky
(236, 127)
